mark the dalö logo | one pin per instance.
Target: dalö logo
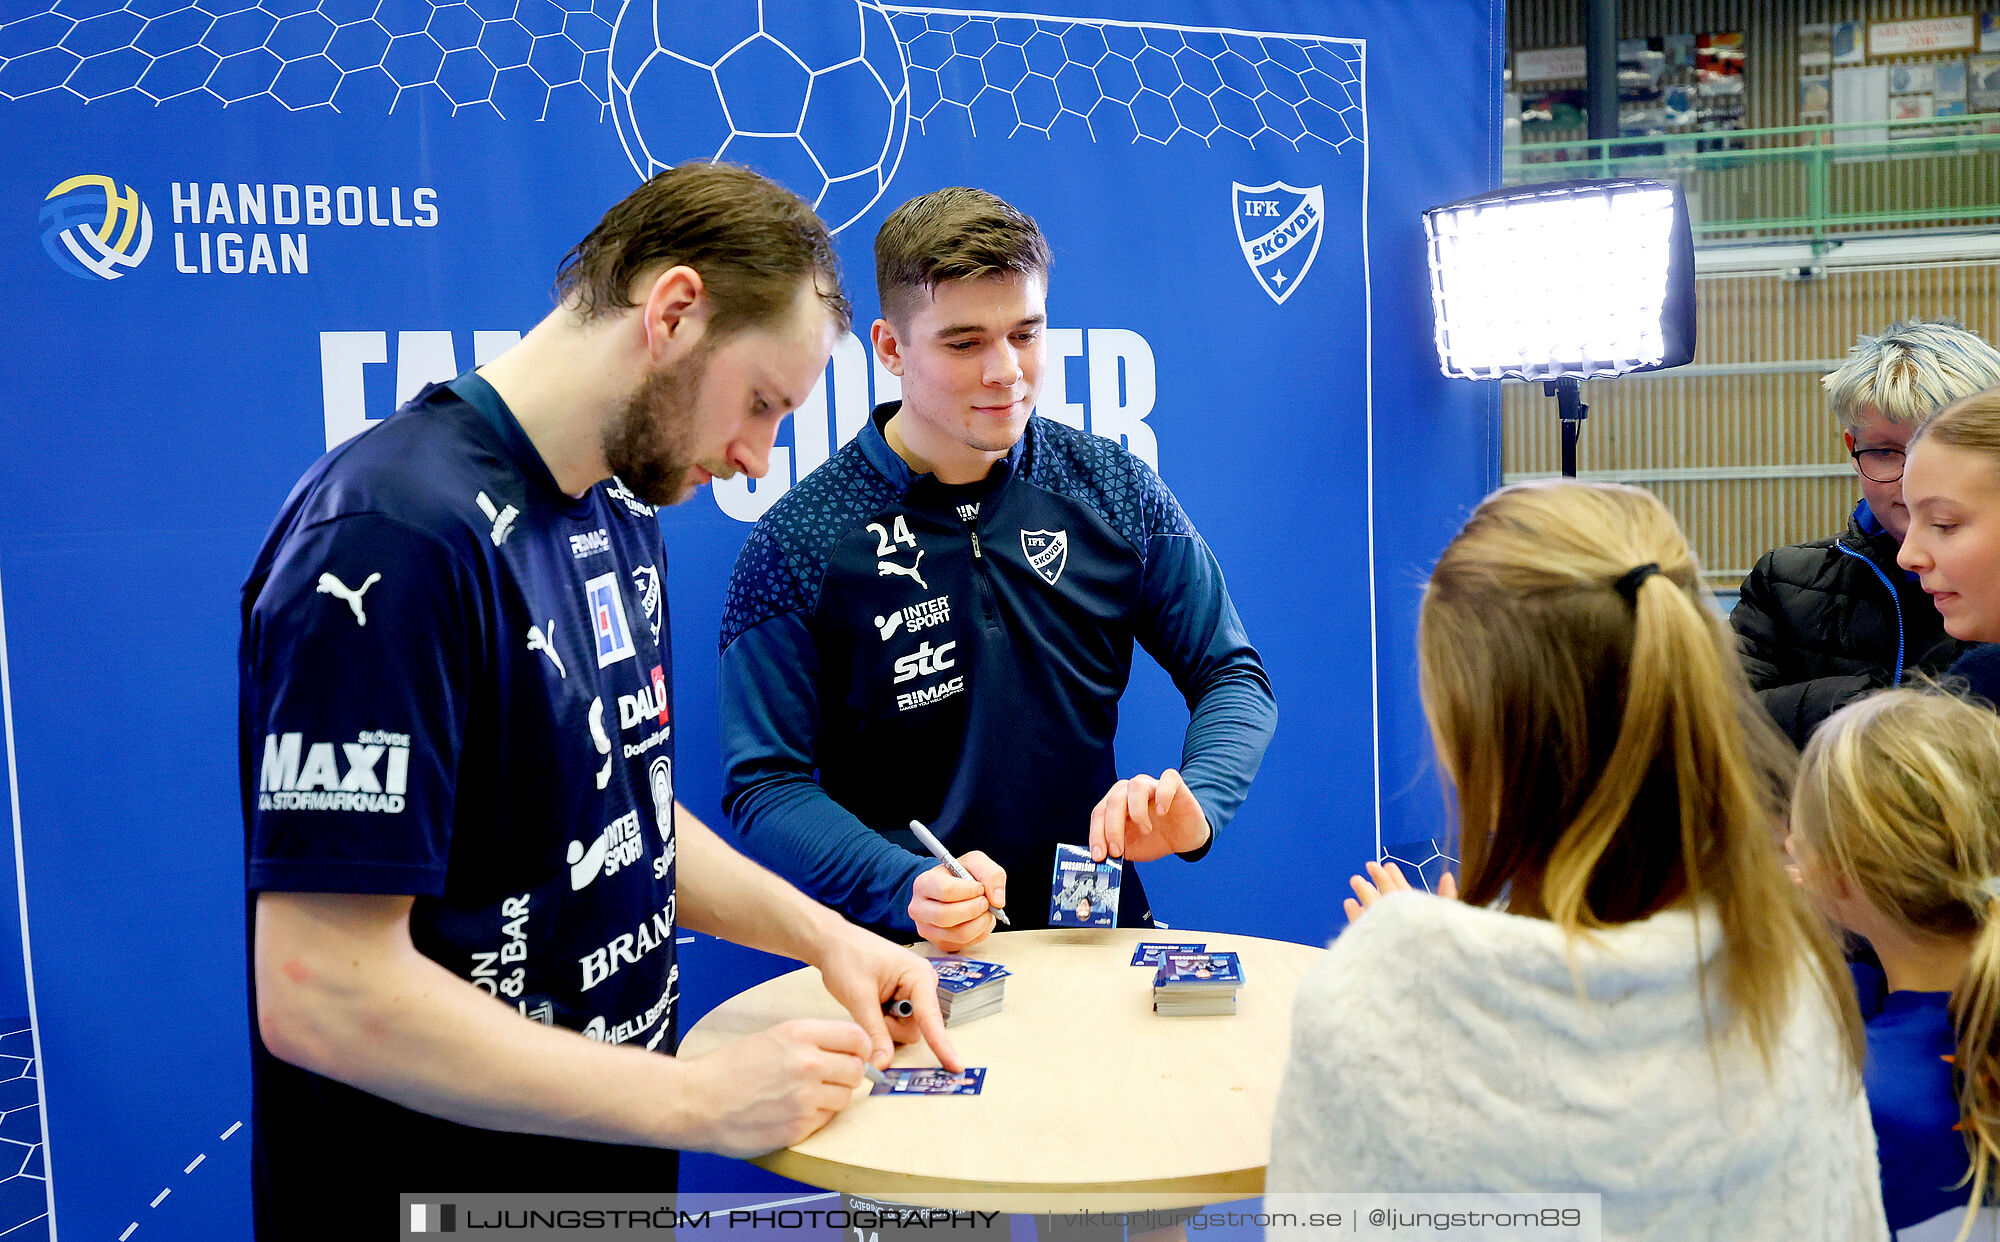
(91, 230)
(821, 104)
(1279, 227)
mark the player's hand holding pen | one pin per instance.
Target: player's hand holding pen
(955, 914)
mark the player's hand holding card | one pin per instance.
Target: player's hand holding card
(1083, 893)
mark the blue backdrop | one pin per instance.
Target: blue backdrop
(232, 232)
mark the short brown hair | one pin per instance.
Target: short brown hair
(751, 239)
(957, 233)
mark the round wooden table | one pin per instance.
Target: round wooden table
(1091, 1099)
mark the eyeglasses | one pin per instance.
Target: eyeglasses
(1879, 465)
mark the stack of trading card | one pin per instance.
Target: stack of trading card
(1197, 983)
(968, 989)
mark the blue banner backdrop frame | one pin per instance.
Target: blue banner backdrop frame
(239, 230)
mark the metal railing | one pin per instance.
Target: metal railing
(1800, 182)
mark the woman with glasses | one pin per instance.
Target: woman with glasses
(1820, 623)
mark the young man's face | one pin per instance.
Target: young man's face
(1879, 437)
(714, 413)
(970, 355)
(1953, 544)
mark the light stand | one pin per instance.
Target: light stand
(1568, 392)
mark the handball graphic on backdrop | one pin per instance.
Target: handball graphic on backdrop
(243, 230)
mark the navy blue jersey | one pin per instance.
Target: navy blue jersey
(1913, 1103)
(894, 648)
(454, 685)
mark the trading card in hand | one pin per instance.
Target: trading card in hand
(930, 1082)
(1152, 953)
(1083, 893)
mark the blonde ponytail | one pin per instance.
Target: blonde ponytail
(1608, 759)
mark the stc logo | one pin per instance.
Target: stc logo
(925, 661)
(93, 231)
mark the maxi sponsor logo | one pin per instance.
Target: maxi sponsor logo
(319, 783)
(629, 948)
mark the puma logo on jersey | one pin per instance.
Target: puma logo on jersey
(330, 585)
(884, 568)
(546, 644)
(502, 519)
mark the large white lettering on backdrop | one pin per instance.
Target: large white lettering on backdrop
(1111, 370)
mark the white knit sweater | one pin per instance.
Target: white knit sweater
(1443, 1047)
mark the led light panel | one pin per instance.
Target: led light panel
(1579, 278)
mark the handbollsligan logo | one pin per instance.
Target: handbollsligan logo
(92, 230)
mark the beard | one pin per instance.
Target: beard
(650, 444)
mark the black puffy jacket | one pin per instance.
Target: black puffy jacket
(1823, 622)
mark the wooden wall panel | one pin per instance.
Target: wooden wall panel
(1643, 427)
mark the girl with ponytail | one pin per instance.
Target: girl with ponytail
(1896, 828)
(1630, 998)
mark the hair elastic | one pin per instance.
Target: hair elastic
(1991, 887)
(1628, 583)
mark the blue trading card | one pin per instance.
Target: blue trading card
(1152, 953)
(969, 1081)
(963, 974)
(1083, 893)
(1199, 970)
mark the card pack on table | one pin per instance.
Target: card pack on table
(1192, 984)
(1083, 893)
(968, 989)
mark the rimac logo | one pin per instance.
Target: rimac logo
(94, 232)
(1279, 227)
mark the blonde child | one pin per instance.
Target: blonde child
(1896, 828)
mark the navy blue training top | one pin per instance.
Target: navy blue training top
(454, 685)
(1911, 1099)
(894, 648)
